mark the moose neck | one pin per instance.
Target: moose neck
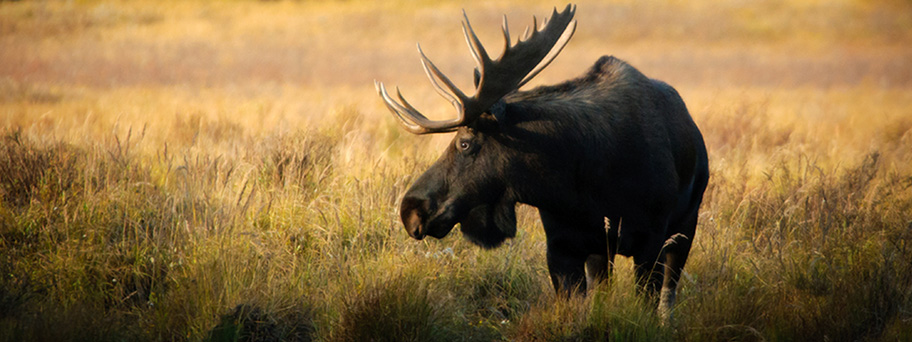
(536, 138)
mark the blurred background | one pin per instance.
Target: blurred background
(224, 170)
(297, 61)
(349, 43)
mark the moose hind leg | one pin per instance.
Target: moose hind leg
(648, 275)
(577, 251)
(676, 250)
(648, 265)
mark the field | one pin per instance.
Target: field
(224, 170)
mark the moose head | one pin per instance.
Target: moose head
(470, 184)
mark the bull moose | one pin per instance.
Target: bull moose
(612, 160)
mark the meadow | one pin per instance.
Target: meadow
(225, 171)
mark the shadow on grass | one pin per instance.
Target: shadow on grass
(249, 323)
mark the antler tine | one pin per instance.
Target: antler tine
(431, 70)
(478, 51)
(506, 33)
(410, 118)
(411, 109)
(427, 124)
(554, 14)
(558, 47)
(397, 109)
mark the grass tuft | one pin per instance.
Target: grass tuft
(401, 309)
(250, 323)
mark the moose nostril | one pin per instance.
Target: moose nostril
(413, 212)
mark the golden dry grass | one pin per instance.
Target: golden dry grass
(224, 170)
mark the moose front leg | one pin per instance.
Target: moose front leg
(566, 267)
(577, 245)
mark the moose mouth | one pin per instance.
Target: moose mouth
(421, 218)
(486, 225)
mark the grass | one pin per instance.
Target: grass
(224, 171)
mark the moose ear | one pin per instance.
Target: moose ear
(499, 111)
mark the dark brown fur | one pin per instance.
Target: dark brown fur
(612, 144)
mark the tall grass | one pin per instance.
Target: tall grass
(224, 172)
(286, 243)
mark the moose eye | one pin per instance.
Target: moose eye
(464, 145)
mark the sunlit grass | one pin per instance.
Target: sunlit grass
(225, 171)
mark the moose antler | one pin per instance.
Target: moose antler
(517, 65)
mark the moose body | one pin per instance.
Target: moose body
(610, 146)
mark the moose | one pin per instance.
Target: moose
(612, 160)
